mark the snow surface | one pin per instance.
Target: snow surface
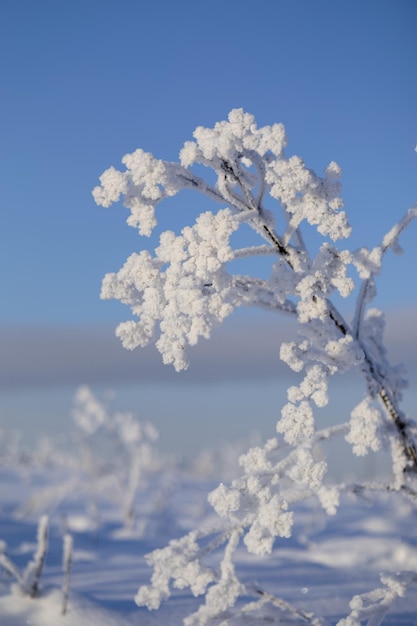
(319, 569)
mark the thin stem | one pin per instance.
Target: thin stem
(39, 558)
(254, 292)
(267, 597)
(242, 253)
(11, 569)
(66, 564)
(282, 250)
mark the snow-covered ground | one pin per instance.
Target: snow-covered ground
(326, 562)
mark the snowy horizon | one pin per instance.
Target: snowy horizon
(244, 347)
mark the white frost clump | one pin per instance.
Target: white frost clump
(367, 262)
(292, 354)
(145, 182)
(224, 593)
(251, 503)
(307, 471)
(113, 184)
(366, 428)
(329, 498)
(88, 412)
(314, 386)
(309, 197)
(297, 422)
(256, 459)
(179, 562)
(225, 501)
(236, 136)
(272, 521)
(184, 289)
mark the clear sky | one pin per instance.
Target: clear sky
(86, 81)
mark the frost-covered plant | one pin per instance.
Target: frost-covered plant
(111, 457)
(28, 581)
(116, 446)
(190, 284)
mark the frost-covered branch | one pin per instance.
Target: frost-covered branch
(374, 605)
(190, 284)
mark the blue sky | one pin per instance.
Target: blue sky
(84, 82)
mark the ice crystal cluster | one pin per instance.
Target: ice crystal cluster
(189, 285)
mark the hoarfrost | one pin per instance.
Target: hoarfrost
(191, 283)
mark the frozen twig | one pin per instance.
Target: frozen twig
(283, 605)
(11, 568)
(66, 566)
(33, 571)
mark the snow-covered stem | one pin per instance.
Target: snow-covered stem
(33, 571)
(67, 548)
(11, 568)
(376, 487)
(283, 605)
(28, 581)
